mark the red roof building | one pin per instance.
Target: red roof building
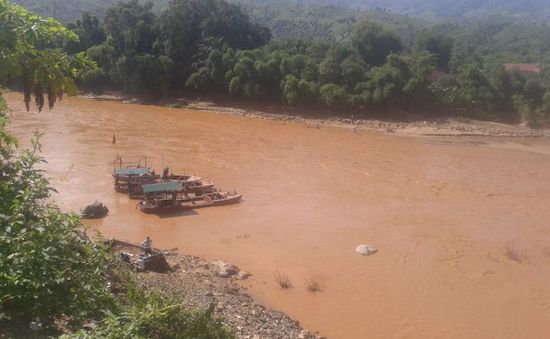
(523, 68)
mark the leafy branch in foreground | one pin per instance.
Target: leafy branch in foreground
(31, 50)
(48, 267)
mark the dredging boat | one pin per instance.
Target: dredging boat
(129, 176)
(171, 196)
(190, 185)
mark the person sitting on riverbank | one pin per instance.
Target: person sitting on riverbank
(147, 246)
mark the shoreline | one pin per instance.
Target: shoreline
(443, 126)
(435, 127)
(201, 283)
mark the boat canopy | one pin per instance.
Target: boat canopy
(132, 171)
(169, 186)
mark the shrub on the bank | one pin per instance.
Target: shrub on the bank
(153, 314)
(48, 268)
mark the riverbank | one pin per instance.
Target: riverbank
(443, 126)
(200, 283)
(415, 125)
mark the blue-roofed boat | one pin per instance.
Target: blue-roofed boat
(130, 176)
(170, 196)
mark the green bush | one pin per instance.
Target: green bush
(332, 95)
(153, 314)
(48, 268)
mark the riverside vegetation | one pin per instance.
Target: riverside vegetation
(51, 274)
(214, 48)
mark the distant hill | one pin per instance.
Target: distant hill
(288, 19)
(472, 23)
(70, 10)
(523, 10)
(520, 10)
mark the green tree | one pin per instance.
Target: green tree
(30, 51)
(130, 28)
(353, 71)
(330, 71)
(297, 91)
(375, 43)
(419, 89)
(332, 95)
(89, 34)
(186, 24)
(533, 99)
(385, 84)
(435, 43)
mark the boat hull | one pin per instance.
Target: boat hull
(187, 205)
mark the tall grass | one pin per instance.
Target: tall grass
(314, 284)
(512, 252)
(283, 279)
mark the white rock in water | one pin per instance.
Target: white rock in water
(366, 250)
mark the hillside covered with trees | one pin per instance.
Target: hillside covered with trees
(366, 64)
(526, 11)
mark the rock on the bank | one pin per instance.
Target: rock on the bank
(243, 275)
(224, 269)
(366, 250)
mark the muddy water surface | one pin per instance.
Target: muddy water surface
(441, 214)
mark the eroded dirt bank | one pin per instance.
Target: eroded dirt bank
(461, 224)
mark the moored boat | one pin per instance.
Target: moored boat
(166, 197)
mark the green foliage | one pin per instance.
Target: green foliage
(419, 87)
(89, 33)
(187, 24)
(319, 21)
(130, 28)
(332, 95)
(152, 314)
(31, 52)
(375, 43)
(297, 91)
(437, 44)
(48, 268)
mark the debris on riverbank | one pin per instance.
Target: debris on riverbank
(201, 283)
(442, 126)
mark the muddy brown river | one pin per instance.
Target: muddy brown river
(442, 214)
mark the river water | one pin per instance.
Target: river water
(441, 214)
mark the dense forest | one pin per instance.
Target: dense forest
(527, 11)
(367, 64)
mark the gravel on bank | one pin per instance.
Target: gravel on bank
(201, 283)
(442, 126)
